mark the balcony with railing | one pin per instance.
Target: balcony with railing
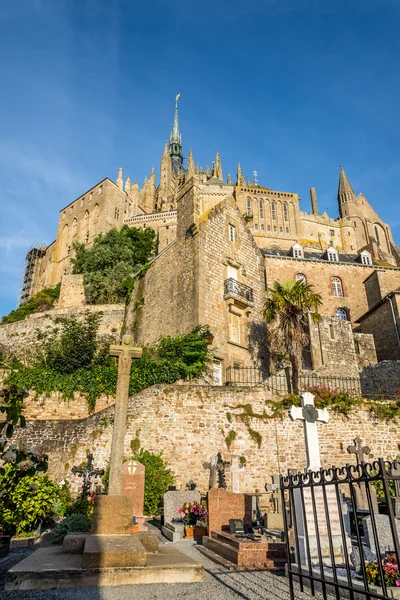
(238, 291)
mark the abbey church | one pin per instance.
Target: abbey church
(222, 241)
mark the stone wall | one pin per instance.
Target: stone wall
(381, 379)
(20, 336)
(72, 292)
(379, 322)
(189, 424)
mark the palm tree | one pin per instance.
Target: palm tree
(286, 309)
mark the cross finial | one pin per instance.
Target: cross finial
(255, 175)
(359, 450)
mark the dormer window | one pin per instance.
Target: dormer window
(366, 258)
(297, 251)
(332, 254)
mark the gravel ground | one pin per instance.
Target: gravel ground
(219, 584)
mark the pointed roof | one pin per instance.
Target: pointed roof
(175, 135)
(190, 163)
(217, 168)
(345, 191)
(239, 175)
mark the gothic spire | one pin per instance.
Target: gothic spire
(345, 191)
(165, 153)
(239, 176)
(217, 170)
(229, 180)
(175, 142)
(190, 163)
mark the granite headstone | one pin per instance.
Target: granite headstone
(174, 527)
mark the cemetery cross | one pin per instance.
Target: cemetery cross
(212, 466)
(274, 487)
(359, 450)
(310, 415)
(125, 353)
(87, 472)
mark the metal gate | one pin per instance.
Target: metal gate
(342, 530)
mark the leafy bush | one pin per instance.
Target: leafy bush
(108, 266)
(338, 401)
(81, 506)
(27, 501)
(64, 500)
(158, 478)
(40, 302)
(70, 524)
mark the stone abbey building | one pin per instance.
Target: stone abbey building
(221, 243)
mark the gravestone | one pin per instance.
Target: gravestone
(133, 473)
(223, 506)
(310, 415)
(384, 533)
(274, 519)
(174, 526)
(236, 526)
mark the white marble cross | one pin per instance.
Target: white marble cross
(310, 415)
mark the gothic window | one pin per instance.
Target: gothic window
(377, 236)
(297, 251)
(332, 232)
(261, 209)
(366, 258)
(249, 206)
(116, 213)
(91, 196)
(234, 328)
(74, 226)
(86, 216)
(100, 191)
(231, 233)
(341, 314)
(273, 210)
(301, 277)
(285, 212)
(337, 288)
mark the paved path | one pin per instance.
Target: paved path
(219, 584)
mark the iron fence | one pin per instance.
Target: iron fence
(281, 383)
(337, 541)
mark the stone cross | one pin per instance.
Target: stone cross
(222, 466)
(274, 487)
(359, 450)
(310, 415)
(125, 352)
(87, 472)
(212, 466)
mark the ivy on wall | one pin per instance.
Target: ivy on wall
(72, 359)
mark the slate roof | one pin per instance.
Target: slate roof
(343, 258)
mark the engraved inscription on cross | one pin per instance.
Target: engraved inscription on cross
(125, 352)
(310, 415)
(359, 450)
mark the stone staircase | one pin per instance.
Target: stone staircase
(237, 553)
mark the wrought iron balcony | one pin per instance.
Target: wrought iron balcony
(238, 291)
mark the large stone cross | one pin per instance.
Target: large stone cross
(212, 467)
(274, 487)
(125, 353)
(310, 415)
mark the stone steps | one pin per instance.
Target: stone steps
(237, 553)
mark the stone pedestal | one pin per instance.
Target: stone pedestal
(112, 515)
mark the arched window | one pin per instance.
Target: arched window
(341, 314)
(285, 211)
(378, 241)
(261, 209)
(74, 226)
(86, 215)
(301, 277)
(337, 288)
(249, 206)
(273, 210)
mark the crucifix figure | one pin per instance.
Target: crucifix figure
(359, 450)
(222, 465)
(274, 487)
(87, 472)
(212, 466)
(310, 415)
(125, 352)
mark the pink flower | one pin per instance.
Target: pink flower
(398, 582)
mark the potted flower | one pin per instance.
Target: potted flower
(194, 515)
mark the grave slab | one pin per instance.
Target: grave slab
(113, 551)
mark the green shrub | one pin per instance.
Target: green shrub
(70, 524)
(80, 506)
(40, 302)
(158, 478)
(27, 501)
(107, 266)
(64, 500)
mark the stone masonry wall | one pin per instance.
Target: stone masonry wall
(19, 336)
(189, 424)
(379, 323)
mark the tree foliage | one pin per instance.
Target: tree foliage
(286, 310)
(108, 266)
(40, 302)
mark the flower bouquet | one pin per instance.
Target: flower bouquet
(194, 516)
(390, 569)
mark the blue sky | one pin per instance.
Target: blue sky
(291, 88)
